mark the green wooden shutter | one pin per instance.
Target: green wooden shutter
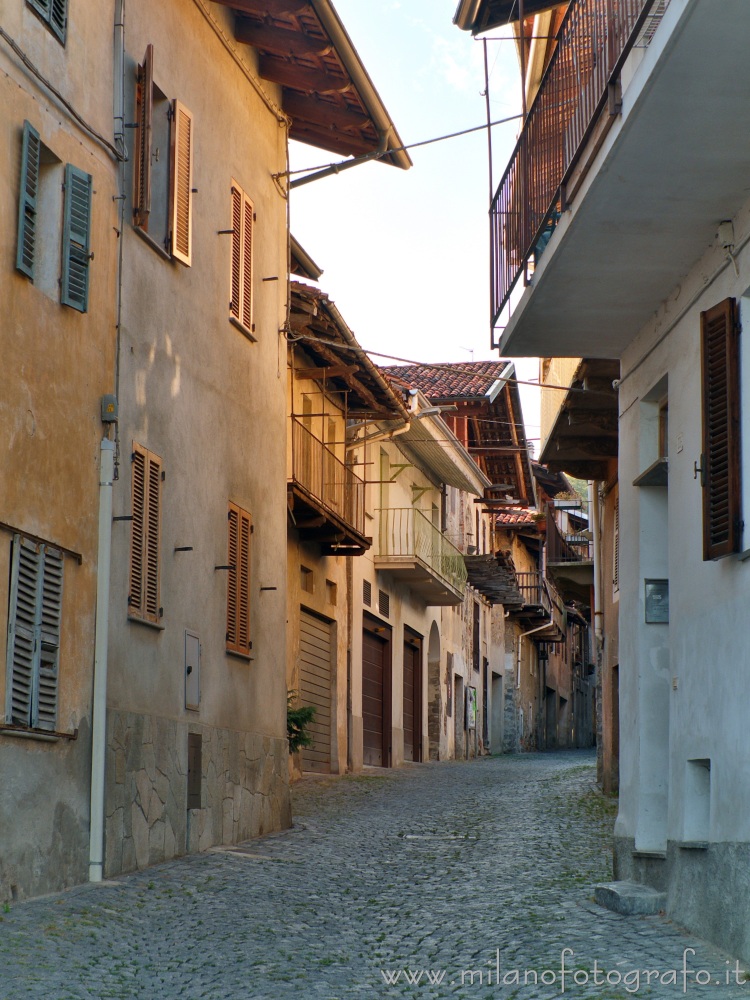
(48, 654)
(58, 18)
(41, 7)
(76, 228)
(722, 530)
(27, 201)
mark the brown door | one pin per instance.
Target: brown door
(315, 689)
(412, 698)
(376, 698)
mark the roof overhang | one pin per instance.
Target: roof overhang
(440, 455)
(484, 15)
(327, 93)
(674, 164)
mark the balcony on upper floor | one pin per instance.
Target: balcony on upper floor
(542, 606)
(326, 499)
(413, 550)
(632, 152)
(570, 549)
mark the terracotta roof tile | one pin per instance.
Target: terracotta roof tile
(469, 380)
(516, 515)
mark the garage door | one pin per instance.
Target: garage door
(374, 683)
(315, 689)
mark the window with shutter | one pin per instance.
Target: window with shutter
(76, 236)
(181, 174)
(162, 185)
(241, 288)
(720, 462)
(238, 582)
(34, 625)
(54, 13)
(616, 551)
(145, 544)
(27, 202)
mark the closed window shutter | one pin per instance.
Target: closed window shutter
(721, 430)
(34, 621)
(238, 583)
(76, 228)
(58, 18)
(616, 551)
(181, 215)
(247, 265)
(145, 546)
(144, 103)
(42, 7)
(235, 304)
(49, 638)
(27, 202)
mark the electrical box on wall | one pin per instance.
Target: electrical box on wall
(109, 409)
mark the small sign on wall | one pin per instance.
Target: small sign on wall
(657, 602)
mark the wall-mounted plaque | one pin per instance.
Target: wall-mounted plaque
(657, 602)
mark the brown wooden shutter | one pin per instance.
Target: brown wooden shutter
(235, 303)
(238, 582)
(144, 105)
(247, 264)
(721, 430)
(181, 186)
(145, 569)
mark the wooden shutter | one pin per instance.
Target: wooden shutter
(34, 620)
(27, 202)
(238, 583)
(58, 18)
(144, 105)
(616, 550)
(721, 430)
(181, 183)
(76, 229)
(143, 600)
(243, 217)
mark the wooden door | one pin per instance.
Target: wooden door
(412, 698)
(315, 689)
(376, 698)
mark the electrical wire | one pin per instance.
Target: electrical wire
(411, 145)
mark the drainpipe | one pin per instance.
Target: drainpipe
(99, 708)
(596, 531)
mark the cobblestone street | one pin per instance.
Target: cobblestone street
(426, 877)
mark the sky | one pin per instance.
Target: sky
(405, 254)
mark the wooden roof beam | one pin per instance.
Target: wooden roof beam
(274, 8)
(323, 113)
(278, 40)
(289, 74)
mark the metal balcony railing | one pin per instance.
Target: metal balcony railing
(594, 40)
(406, 532)
(325, 477)
(569, 538)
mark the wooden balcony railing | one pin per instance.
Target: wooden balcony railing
(406, 532)
(594, 40)
(324, 477)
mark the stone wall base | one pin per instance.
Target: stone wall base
(707, 886)
(244, 790)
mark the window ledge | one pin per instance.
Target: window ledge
(159, 626)
(243, 329)
(653, 855)
(239, 656)
(693, 845)
(655, 475)
(152, 243)
(40, 735)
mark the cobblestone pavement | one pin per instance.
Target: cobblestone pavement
(426, 877)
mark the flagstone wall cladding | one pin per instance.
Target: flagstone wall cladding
(243, 790)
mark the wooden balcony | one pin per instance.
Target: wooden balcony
(326, 499)
(541, 606)
(578, 97)
(570, 550)
(412, 549)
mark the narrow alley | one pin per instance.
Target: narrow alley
(457, 879)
